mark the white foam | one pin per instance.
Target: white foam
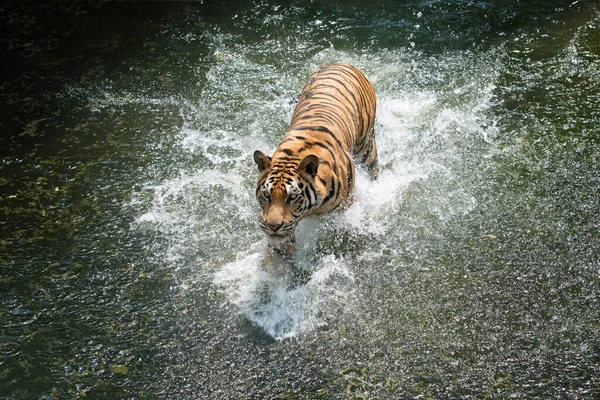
(174, 198)
(268, 301)
(429, 120)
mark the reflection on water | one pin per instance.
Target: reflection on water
(130, 255)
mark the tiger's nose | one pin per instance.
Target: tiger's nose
(275, 227)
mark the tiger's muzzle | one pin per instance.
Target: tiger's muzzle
(278, 233)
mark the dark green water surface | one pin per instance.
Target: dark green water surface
(130, 252)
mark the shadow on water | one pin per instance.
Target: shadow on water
(130, 254)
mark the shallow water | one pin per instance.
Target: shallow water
(130, 253)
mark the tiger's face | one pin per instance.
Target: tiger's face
(284, 195)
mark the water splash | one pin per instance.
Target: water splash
(425, 134)
(281, 310)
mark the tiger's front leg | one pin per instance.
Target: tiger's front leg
(279, 259)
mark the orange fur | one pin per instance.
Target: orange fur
(312, 169)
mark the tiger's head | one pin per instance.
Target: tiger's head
(286, 193)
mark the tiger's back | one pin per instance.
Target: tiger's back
(312, 170)
(340, 99)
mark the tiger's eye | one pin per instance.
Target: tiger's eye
(265, 194)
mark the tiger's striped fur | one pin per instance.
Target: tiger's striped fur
(312, 169)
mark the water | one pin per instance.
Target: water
(131, 258)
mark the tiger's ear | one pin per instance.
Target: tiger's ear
(309, 165)
(263, 161)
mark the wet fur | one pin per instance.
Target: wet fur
(312, 170)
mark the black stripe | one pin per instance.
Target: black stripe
(350, 175)
(318, 128)
(323, 146)
(331, 191)
(326, 130)
(337, 88)
(286, 160)
(331, 104)
(311, 191)
(365, 156)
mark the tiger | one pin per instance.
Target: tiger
(312, 170)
